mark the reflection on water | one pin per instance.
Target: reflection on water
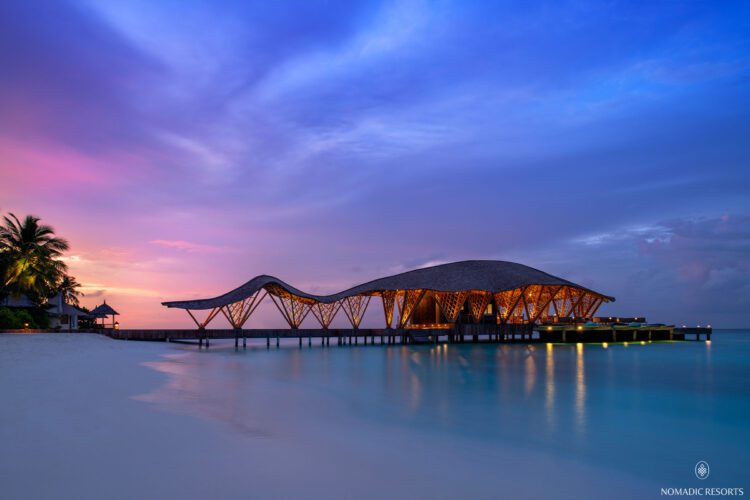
(488, 392)
(440, 382)
(188, 390)
(580, 390)
(461, 421)
(549, 388)
(530, 372)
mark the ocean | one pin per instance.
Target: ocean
(83, 416)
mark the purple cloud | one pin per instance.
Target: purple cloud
(331, 143)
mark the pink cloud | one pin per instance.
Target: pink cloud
(187, 246)
(49, 166)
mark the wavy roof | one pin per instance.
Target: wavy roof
(487, 275)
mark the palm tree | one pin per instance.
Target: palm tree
(68, 287)
(31, 255)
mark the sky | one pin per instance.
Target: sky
(184, 147)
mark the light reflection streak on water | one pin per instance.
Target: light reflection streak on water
(503, 370)
(415, 384)
(530, 372)
(709, 379)
(443, 401)
(549, 388)
(580, 390)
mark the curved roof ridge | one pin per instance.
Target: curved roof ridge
(486, 275)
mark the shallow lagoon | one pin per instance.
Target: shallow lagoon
(87, 417)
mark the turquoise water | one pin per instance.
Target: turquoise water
(452, 421)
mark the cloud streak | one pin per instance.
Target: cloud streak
(330, 144)
(186, 246)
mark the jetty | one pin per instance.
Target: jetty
(468, 301)
(570, 334)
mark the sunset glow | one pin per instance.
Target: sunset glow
(330, 146)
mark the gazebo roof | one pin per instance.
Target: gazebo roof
(103, 310)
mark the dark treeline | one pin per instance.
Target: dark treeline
(31, 268)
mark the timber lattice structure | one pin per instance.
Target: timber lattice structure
(442, 296)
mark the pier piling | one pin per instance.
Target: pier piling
(476, 333)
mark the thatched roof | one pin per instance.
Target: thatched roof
(486, 275)
(102, 311)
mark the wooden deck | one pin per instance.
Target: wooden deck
(459, 334)
(340, 336)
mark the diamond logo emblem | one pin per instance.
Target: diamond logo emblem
(702, 470)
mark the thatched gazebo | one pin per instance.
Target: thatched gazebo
(102, 312)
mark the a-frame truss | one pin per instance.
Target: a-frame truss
(407, 302)
(527, 304)
(478, 302)
(576, 299)
(237, 313)
(562, 303)
(203, 324)
(509, 304)
(389, 300)
(450, 303)
(530, 299)
(548, 298)
(325, 312)
(292, 308)
(355, 307)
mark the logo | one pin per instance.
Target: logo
(702, 470)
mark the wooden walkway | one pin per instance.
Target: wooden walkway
(459, 334)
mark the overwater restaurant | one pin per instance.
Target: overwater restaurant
(442, 296)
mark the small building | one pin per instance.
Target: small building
(102, 312)
(63, 315)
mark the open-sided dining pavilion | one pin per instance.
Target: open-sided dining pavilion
(442, 297)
